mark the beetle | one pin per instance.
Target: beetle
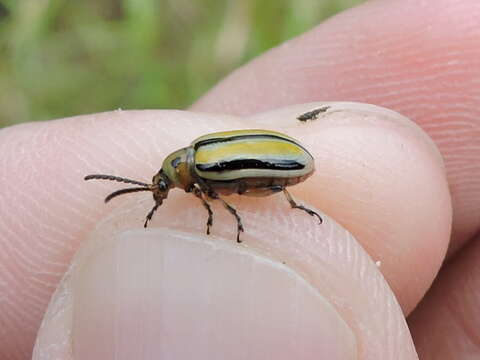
(245, 162)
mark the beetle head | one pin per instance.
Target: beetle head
(161, 185)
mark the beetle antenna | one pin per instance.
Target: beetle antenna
(115, 178)
(125, 191)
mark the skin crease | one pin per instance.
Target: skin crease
(432, 78)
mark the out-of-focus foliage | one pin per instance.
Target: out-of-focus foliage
(65, 57)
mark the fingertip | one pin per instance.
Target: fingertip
(175, 288)
(382, 177)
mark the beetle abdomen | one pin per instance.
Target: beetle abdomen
(244, 154)
(253, 186)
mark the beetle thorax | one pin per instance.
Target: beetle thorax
(176, 167)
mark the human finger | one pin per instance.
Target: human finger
(122, 143)
(445, 324)
(294, 288)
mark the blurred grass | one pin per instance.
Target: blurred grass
(62, 57)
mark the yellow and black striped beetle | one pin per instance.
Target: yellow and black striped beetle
(246, 162)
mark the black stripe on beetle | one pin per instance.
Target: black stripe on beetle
(251, 164)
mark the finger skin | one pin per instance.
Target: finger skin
(38, 241)
(159, 283)
(446, 323)
(423, 61)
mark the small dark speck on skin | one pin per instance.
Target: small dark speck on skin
(313, 115)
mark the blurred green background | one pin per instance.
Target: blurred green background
(67, 57)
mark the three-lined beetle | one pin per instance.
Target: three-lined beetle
(245, 162)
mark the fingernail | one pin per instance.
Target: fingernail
(165, 295)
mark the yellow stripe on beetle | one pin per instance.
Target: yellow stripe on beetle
(246, 147)
(246, 162)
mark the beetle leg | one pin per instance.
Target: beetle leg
(231, 210)
(150, 214)
(198, 193)
(294, 205)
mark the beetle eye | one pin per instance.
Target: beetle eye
(162, 186)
